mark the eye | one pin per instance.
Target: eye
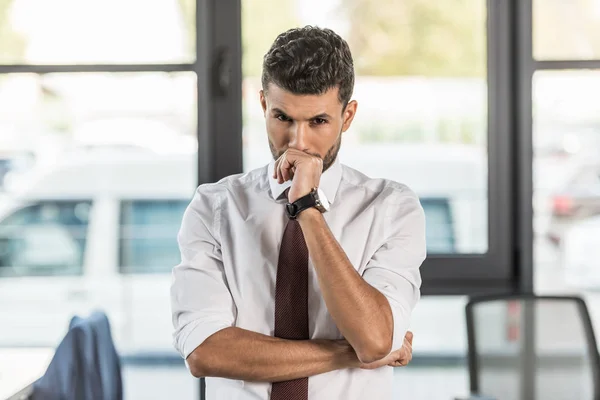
(319, 121)
(282, 118)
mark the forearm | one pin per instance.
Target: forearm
(241, 354)
(361, 313)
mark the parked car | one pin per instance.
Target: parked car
(577, 201)
(98, 229)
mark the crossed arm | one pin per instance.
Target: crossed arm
(241, 354)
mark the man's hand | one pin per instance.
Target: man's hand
(397, 358)
(303, 169)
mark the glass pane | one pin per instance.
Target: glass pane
(44, 239)
(566, 29)
(149, 235)
(422, 94)
(567, 184)
(97, 170)
(97, 32)
(439, 235)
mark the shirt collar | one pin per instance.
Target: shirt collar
(330, 181)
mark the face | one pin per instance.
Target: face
(311, 123)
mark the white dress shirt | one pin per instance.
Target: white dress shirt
(229, 241)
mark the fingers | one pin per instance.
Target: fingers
(399, 363)
(285, 167)
(406, 351)
(407, 345)
(409, 336)
(279, 172)
(402, 361)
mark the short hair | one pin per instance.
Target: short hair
(310, 60)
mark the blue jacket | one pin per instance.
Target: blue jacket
(85, 365)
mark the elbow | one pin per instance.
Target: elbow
(196, 365)
(377, 346)
(375, 352)
(197, 372)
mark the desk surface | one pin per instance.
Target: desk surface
(20, 367)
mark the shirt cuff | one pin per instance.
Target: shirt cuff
(186, 344)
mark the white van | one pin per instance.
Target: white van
(98, 228)
(95, 229)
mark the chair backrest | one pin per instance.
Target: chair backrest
(528, 347)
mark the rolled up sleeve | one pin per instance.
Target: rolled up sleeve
(394, 269)
(201, 302)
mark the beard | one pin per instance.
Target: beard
(328, 160)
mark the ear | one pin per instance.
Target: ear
(263, 101)
(349, 114)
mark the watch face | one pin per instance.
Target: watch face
(323, 199)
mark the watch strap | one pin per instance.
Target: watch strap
(294, 209)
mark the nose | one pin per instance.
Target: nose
(298, 137)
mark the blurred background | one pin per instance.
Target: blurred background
(112, 112)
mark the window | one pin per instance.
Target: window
(45, 239)
(432, 98)
(106, 100)
(148, 239)
(566, 187)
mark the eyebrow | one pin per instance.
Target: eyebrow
(280, 111)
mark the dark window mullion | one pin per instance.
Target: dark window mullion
(219, 71)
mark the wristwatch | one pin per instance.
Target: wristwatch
(316, 198)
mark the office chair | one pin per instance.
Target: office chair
(528, 347)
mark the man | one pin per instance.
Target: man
(297, 280)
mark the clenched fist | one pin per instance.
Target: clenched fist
(303, 169)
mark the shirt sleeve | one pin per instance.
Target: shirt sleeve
(201, 302)
(394, 268)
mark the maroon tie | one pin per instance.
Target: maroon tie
(291, 303)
